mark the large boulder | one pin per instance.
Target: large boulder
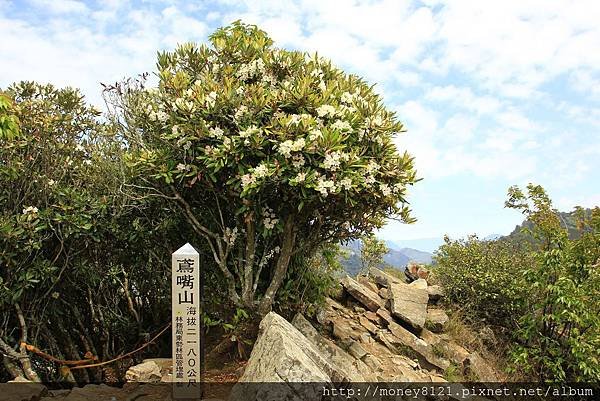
(409, 304)
(477, 369)
(283, 355)
(362, 294)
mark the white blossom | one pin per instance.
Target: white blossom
(210, 99)
(182, 167)
(248, 132)
(343, 126)
(347, 97)
(261, 171)
(324, 186)
(248, 179)
(30, 210)
(326, 110)
(215, 132)
(240, 112)
(346, 183)
(385, 189)
(300, 177)
(298, 161)
(314, 134)
(51, 183)
(298, 145)
(332, 161)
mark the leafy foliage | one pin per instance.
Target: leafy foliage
(285, 150)
(543, 290)
(372, 252)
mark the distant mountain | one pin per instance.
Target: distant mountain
(397, 258)
(492, 237)
(567, 219)
(429, 245)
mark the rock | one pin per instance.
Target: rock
(419, 283)
(367, 324)
(384, 279)
(356, 370)
(409, 304)
(372, 316)
(402, 337)
(146, 372)
(364, 280)
(385, 315)
(366, 338)
(478, 369)
(373, 362)
(359, 309)
(383, 293)
(282, 353)
(423, 273)
(96, 392)
(414, 272)
(341, 331)
(357, 351)
(362, 294)
(435, 293)
(19, 390)
(436, 320)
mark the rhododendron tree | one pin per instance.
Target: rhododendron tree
(268, 152)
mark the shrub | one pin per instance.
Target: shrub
(267, 152)
(484, 278)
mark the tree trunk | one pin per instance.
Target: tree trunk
(289, 239)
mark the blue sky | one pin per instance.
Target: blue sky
(492, 93)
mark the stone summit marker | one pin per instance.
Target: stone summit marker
(185, 303)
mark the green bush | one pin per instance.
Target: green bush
(543, 289)
(484, 278)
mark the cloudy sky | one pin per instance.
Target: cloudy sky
(492, 93)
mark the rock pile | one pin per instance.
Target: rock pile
(380, 329)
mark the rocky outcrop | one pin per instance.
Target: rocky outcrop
(382, 278)
(409, 304)
(362, 294)
(436, 320)
(22, 390)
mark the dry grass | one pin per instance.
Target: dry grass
(475, 338)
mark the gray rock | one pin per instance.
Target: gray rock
(409, 304)
(362, 294)
(420, 283)
(402, 337)
(22, 391)
(384, 279)
(357, 351)
(356, 370)
(477, 368)
(146, 372)
(436, 320)
(435, 293)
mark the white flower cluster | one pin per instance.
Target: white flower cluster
(51, 183)
(248, 132)
(315, 134)
(216, 132)
(385, 189)
(287, 147)
(326, 110)
(183, 105)
(325, 186)
(342, 126)
(251, 69)
(30, 209)
(210, 99)
(269, 218)
(333, 159)
(347, 97)
(300, 177)
(346, 183)
(183, 167)
(240, 112)
(230, 235)
(159, 115)
(372, 167)
(298, 161)
(257, 173)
